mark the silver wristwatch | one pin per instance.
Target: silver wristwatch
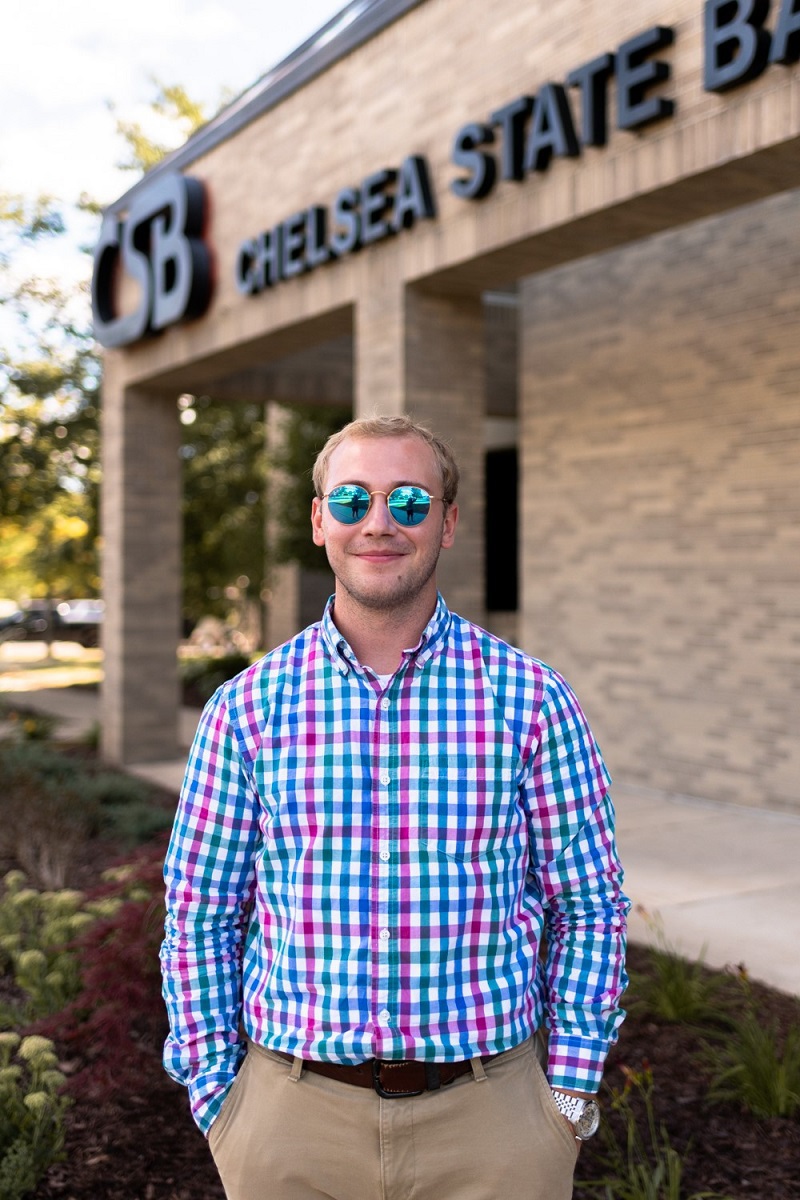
(583, 1115)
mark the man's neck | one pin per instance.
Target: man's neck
(378, 637)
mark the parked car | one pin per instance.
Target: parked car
(12, 626)
(79, 621)
(25, 624)
(70, 620)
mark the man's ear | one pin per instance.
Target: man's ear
(317, 532)
(449, 527)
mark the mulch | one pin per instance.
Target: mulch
(725, 1149)
(145, 1146)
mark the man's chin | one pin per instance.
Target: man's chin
(387, 596)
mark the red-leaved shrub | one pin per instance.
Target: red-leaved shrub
(114, 1030)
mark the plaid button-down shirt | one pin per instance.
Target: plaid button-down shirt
(362, 871)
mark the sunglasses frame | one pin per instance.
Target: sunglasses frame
(401, 487)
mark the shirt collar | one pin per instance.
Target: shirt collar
(432, 641)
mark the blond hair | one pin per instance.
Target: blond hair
(378, 427)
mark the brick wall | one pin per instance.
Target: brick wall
(661, 501)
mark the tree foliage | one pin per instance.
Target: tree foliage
(24, 220)
(50, 373)
(224, 471)
(181, 116)
(49, 428)
(305, 431)
(49, 384)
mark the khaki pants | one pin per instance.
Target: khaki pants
(495, 1134)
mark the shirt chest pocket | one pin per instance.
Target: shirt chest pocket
(469, 810)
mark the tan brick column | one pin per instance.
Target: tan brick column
(424, 354)
(141, 575)
(283, 579)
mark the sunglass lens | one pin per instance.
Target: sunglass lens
(348, 503)
(409, 505)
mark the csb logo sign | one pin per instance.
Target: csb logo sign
(158, 247)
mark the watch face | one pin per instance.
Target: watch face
(588, 1121)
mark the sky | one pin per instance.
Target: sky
(64, 61)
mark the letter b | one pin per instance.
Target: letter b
(736, 46)
(178, 259)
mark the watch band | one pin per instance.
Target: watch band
(569, 1106)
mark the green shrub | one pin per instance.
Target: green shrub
(679, 991)
(135, 822)
(645, 1166)
(55, 803)
(93, 736)
(113, 788)
(126, 812)
(754, 1065)
(43, 937)
(41, 761)
(201, 675)
(46, 816)
(31, 1112)
(30, 726)
(36, 930)
(115, 1026)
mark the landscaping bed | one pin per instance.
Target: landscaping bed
(128, 1134)
(144, 1145)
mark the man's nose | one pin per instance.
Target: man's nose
(377, 519)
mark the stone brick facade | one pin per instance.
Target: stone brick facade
(661, 500)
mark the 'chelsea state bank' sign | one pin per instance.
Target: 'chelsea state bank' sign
(159, 243)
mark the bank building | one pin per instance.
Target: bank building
(567, 236)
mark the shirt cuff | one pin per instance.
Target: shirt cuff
(576, 1062)
(208, 1089)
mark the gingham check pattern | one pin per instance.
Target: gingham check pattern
(379, 867)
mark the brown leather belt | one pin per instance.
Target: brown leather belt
(392, 1079)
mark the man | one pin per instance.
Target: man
(395, 927)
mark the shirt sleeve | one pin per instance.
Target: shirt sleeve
(579, 876)
(209, 874)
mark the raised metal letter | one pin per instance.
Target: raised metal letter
(786, 39)
(635, 74)
(736, 46)
(511, 119)
(414, 199)
(482, 167)
(592, 79)
(552, 131)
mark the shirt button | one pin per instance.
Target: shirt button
(385, 855)
(384, 935)
(385, 702)
(385, 1016)
(386, 780)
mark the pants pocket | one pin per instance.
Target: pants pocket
(230, 1105)
(549, 1108)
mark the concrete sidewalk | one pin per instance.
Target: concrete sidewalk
(721, 882)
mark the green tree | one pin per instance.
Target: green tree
(182, 117)
(49, 381)
(305, 432)
(49, 390)
(224, 472)
(49, 442)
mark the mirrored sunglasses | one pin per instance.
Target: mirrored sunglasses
(349, 503)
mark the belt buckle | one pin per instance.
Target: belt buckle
(379, 1088)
